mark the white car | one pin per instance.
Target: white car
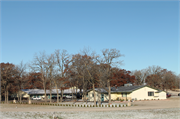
(70, 96)
(36, 98)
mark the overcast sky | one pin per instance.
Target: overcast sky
(147, 33)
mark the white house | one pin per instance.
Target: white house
(142, 92)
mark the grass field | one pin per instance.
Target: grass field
(161, 109)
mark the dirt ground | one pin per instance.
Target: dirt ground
(172, 102)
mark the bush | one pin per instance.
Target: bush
(115, 105)
(84, 105)
(102, 105)
(117, 99)
(66, 104)
(119, 105)
(93, 105)
(112, 105)
(78, 105)
(108, 105)
(81, 105)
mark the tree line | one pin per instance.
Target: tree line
(85, 70)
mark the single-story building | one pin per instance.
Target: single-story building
(126, 92)
(29, 93)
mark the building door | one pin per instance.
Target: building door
(102, 97)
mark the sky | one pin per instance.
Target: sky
(145, 32)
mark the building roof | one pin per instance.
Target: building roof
(41, 91)
(120, 89)
(126, 88)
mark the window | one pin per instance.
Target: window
(92, 95)
(150, 93)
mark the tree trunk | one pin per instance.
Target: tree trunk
(50, 95)
(109, 92)
(83, 90)
(7, 97)
(45, 94)
(61, 95)
(20, 97)
(72, 92)
(94, 95)
(99, 97)
(50, 92)
(57, 95)
(76, 92)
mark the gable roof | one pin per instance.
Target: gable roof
(122, 89)
(126, 88)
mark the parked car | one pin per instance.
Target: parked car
(70, 96)
(168, 95)
(36, 98)
(64, 97)
(178, 94)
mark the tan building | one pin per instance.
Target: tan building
(142, 92)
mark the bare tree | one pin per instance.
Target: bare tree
(140, 75)
(110, 59)
(50, 68)
(39, 64)
(21, 78)
(62, 57)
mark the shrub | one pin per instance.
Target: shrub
(60, 104)
(84, 105)
(96, 105)
(108, 105)
(81, 105)
(117, 98)
(66, 104)
(126, 105)
(112, 105)
(78, 105)
(87, 106)
(123, 105)
(93, 105)
(119, 105)
(102, 105)
(115, 105)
